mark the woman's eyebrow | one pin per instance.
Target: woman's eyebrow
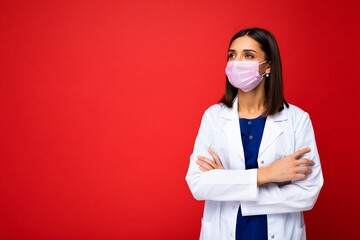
(249, 50)
(244, 50)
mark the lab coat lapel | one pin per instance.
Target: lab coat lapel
(271, 130)
(232, 129)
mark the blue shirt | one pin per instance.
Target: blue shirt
(251, 227)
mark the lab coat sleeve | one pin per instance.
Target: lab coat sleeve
(298, 195)
(217, 185)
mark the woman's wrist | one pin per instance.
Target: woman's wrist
(262, 176)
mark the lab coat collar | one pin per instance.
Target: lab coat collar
(272, 130)
(232, 113)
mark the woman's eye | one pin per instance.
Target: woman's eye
(231, 55)
(249, 56)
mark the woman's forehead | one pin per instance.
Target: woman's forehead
(243, 43)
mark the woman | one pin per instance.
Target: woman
(255, 160)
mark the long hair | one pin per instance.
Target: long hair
(274, 90)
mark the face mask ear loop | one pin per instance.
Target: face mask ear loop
(266, 74)
(262, 76)
(262, 62)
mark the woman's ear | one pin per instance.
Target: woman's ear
(268, 67)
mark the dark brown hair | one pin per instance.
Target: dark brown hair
(274, 94)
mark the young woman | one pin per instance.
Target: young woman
(255, 159)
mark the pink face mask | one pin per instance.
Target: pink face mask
(244, 74)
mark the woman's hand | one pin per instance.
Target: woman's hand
(291, 167)
(206, 164)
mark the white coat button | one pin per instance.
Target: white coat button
(250, 137)
(272, 236)
(262, 162)
(231, 235)
(233, 207)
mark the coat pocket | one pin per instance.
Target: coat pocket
(206, 229)
(300, 233)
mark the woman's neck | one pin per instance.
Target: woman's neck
(251, 104)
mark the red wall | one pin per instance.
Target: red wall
(100, 103)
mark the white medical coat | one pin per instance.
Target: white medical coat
(225, 190)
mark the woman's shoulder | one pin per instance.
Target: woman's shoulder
(215, 109)
(295, 111)
(214, 112)
(297, 115)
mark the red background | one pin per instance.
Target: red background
(100, 103)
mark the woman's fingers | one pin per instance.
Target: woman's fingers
(301, 152)
(304, 170)
(203, 169)
(291, 167)
(206, 164)
(216, 158)
(299, 176)
(305, 161)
